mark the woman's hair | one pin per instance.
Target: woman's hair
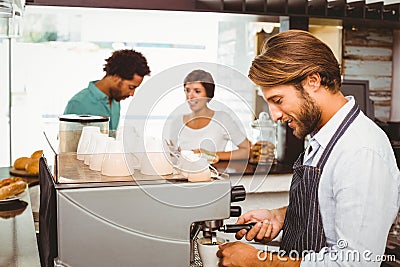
(204, 78)
(290, 56)
(125, 63)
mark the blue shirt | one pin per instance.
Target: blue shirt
(92, 101)
(358, 192)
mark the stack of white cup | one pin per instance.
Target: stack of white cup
(84, 140)
(99, 152)
(114, 161)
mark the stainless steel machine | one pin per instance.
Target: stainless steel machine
(136, 220)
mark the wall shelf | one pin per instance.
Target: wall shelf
(380, 13)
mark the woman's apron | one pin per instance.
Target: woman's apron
(302, 228)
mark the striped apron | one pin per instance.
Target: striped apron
(302, 228)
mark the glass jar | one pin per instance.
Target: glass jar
(263, 148)
(70, 129)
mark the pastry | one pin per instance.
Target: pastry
(32, 167)
(20, 163)
(12, 187)
(37, 154)
(8, 181)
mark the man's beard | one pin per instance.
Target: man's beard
(115, 92)
(309, 116)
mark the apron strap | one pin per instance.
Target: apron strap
(355, 110)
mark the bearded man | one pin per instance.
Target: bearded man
(344, 193)
(125, 70)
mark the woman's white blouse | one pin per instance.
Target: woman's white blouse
(213, 137)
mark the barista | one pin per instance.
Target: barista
(345, 187)
(205, 130)
(125, 70)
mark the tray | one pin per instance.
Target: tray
(22, 173)
(15, 197)
(12, 209)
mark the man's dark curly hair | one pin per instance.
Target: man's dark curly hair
(125, 63)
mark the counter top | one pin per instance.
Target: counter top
(243, 167)
(18, 246)
(257, 178)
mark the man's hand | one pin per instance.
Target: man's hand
(269, 223)
(238, 254)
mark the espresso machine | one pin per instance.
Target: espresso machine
(137, 220)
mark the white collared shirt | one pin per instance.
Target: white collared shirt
(358, 192)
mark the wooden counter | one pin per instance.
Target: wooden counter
(18, 246)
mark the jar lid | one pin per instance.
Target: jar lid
(83, 118)
(264, 120)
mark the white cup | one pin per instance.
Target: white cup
(84, 140)
(91, 147)
(194, 167)
(208, 251)
(201, 176)
(156, 163)
(99, 152)
(114, 162)
(132, 146)
(133, 161)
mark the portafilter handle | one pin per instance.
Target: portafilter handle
(234, 228)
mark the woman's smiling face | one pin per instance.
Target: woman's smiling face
(196, 96)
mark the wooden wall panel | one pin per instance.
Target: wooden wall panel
(367, 55)
(369, 37)
(373, 68)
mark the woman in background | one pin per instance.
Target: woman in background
(205, 130)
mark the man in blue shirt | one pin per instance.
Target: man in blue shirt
(125, 70)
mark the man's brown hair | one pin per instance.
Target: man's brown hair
(290, 56)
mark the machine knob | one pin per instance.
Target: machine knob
(238, 193)
(236, 211)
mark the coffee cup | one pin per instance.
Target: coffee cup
(208, 251)
(194, 167)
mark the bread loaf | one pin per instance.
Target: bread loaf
(37, 154)
(20, 163)
(8, 181)
(32, 167)
(12, 187)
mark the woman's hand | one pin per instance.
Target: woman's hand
(211, 157)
